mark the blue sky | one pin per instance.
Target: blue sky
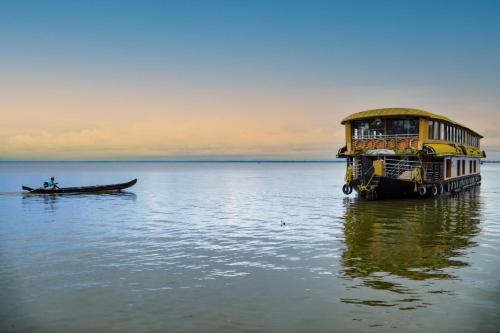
(271, 68)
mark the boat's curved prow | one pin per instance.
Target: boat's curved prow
(129, 184)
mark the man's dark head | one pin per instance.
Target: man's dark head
(51, 178)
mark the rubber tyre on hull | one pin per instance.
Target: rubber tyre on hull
(434, 190)
(440, 188)
(422, 190)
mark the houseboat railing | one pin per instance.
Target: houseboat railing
(357, 170)
(375, 141)
(432, 171)
(402, 169)
(396, 168)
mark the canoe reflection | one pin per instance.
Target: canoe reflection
(50, 200)
(412, 239)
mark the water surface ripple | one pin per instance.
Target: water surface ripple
(243, 247)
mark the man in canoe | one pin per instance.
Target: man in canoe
(52, 184)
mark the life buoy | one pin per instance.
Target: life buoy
(434, 190)
(478, 178)
(448, 187)
(440, 188)
(347, 189)
(422, 190)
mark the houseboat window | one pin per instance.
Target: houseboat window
(402, 126)
(441, 136)
(448, 168)
(448, 133)
(470, 166)
(436, 130)
(368, 128)
(430, 131)
(458, 167)
(474, 166)
(463, 167)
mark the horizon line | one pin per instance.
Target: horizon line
(177, 161)
(188, 161)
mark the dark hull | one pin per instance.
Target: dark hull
(391, 188)
(84, 189)
(396, 188)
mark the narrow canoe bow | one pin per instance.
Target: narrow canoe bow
(83, 189)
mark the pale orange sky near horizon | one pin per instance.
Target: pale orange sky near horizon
(127, 81)
(126, 120)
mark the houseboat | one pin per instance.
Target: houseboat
(395, 152)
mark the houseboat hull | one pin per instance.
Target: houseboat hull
(395, 188)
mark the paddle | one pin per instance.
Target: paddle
(26, 188)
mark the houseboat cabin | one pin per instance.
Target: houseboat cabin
(397, 152)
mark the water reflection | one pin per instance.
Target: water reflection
(389, 244)
(50, 201)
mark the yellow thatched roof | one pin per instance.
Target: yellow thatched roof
(398, 112)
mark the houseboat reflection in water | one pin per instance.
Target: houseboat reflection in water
(407, 247)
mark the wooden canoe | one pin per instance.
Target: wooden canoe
(83, 189)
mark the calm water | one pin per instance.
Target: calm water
(243, 247)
